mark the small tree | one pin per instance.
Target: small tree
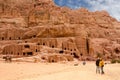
(118, 61)
(113, 61)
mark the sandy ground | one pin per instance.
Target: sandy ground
(56, 71)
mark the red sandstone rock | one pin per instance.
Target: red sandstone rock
(80, 33)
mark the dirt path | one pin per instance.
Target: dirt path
(56, 71)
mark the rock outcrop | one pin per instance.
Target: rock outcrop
(80, 33)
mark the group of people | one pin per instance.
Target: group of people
(99, 66)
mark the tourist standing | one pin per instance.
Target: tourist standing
(97, 65)
(101, 64)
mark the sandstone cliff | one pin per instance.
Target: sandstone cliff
(24, 20)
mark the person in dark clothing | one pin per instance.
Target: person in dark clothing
(97, 65)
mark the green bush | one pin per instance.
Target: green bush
(113, 61)
(118, 61)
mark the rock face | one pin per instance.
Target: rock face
(78, 33)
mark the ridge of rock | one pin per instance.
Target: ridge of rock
(81, 31)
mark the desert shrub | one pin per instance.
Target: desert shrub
(118, 61)
(113, 61)
(99, 55)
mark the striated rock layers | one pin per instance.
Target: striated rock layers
(27, 26)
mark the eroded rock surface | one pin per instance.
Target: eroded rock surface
(80, 33)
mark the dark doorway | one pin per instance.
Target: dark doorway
(75, 55)
(43, 58)
(38, 43)
(34, 36)
(9, 38)
(81, 54)
(26, 46)
(117, 51)
(74, 49)
(87, 45)
(61, 52)
(23, 54)
(52, 46)
(43, 43)
(53, 61)
(2, 38)
(29, 53)
(19, 38)
(36, 50)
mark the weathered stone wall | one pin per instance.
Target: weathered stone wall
(43, 23)
(19, 50)
(12, 50)
(10, 34)
(57, 58)
(82, 45)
